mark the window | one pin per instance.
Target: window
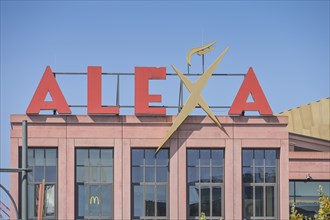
(43, 162)
(94, 183)
(205, 183)
(305, 196)
(259, 175)
(149, 178)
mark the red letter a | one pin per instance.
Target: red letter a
(251, 86)
(47, 84)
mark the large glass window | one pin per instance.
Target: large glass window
(149, 184)
(260, 176)
(94, 183)
(205, 183)
(305, 196)
(43, 162)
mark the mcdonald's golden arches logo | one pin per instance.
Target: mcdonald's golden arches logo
(94, 200)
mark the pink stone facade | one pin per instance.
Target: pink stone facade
(125, 132)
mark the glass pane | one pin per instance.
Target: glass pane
(50, 174)
(308, 206)
(248, 201)
(30, 201)
(82, 157)
(193, 201)
(161, 200)
(193, 156)
(270, 156)
(205, 174)
(94, 157)
(259, 157)
(51, 157)
(216, 201)
(259, 201)
(247, 175)
(205, 200)
(162, 157)
(270, 209)
(193, 175)
(94, 174)
(138, 201)
(291, 188)
(259, 175)
(31, 157)
(82, 174)
(49, 206)
(106, 201)
(247, 157)
(106, 157)
(150, 200)
(106, 174)
(30, 175)
(150, 157)
(38, 174)
(150, 174)
(39, 157)
(205, 157)
(137, 174)
(217, 157)
(137, 157)
(36, 201)
(310, 188)
(82, 200)
(217, 174)
(94, 201)
(270, 175)
(162, 174)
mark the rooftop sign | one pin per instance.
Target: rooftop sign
(250, 86)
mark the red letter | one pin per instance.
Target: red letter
(47, 84)
(95, 93)
(250, 85)
(142, 97)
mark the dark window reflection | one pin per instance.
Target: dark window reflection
(305, 196)
(43, 162)
(94, 183)
(149, 183)
(259, 176)
(205, 182)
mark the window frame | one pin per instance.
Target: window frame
(294, 196)
(33, 183)
(89, 184)
(263, 184)
(210, 184)
(153, 183)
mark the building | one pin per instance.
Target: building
(102, 167)
(309, 156)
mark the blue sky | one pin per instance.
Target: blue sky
(286, 42)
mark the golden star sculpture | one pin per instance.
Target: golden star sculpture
(195, 90)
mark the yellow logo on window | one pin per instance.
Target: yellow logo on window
(94, 200)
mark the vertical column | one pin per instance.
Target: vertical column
(283, 195)
(173, 180)
(62, 179)
(24, 210)
(118, 179)
(126, 179)
(70, 178)
(237, 193)
(14, 161)
(182, 163)
(229, 179)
